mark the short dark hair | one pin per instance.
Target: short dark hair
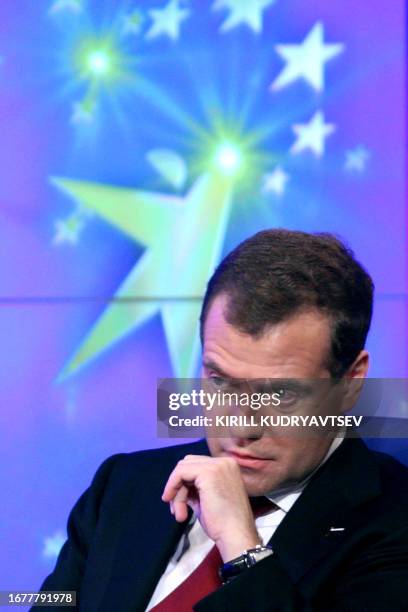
(276, 273)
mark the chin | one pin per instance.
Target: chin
(255, 486)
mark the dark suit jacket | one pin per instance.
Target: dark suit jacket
(121, 536)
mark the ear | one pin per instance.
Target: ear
(354, 380)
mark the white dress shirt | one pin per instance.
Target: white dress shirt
(198, 544)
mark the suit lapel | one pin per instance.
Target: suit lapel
(325, 511)
(146, 545)
(148, 540)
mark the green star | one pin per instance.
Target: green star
(183, 239)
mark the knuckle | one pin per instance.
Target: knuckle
(232, 464)
(229, 461)
(226, 464)
(211, 466)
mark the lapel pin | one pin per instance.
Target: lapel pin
(332, 529)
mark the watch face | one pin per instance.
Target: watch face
(257, 555)
(251, 559)
(233, 568)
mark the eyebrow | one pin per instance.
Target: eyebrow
(211, 365)
(289, 383)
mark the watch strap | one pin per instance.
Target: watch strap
(249, 557)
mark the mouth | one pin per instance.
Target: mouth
(248, 461)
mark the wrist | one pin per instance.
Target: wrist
(249, 558)
(233, 544)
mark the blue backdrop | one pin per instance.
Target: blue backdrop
(140, 142)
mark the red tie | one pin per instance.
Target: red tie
(205, 578)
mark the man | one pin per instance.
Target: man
(283, 305)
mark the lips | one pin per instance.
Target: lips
(246, 460)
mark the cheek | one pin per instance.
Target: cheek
(293, 456)
(298, 457)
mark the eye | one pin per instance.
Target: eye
(217, 381)
(286, 396)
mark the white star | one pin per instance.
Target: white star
(74, 6)
(275, 181)
(248, 12)
(53, 545)
(356, 159)
(132, 23)
(306, 60)
(167, 20)
(68, 230)
(312, 135)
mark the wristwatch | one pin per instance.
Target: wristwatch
(249, 557)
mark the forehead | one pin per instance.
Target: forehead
(297, 347)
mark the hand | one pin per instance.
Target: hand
(214, 489)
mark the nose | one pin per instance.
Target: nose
(243, 441)
(247, 426)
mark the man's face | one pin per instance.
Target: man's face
(297, 348)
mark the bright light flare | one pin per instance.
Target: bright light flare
(228, 158)
(99, 62)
